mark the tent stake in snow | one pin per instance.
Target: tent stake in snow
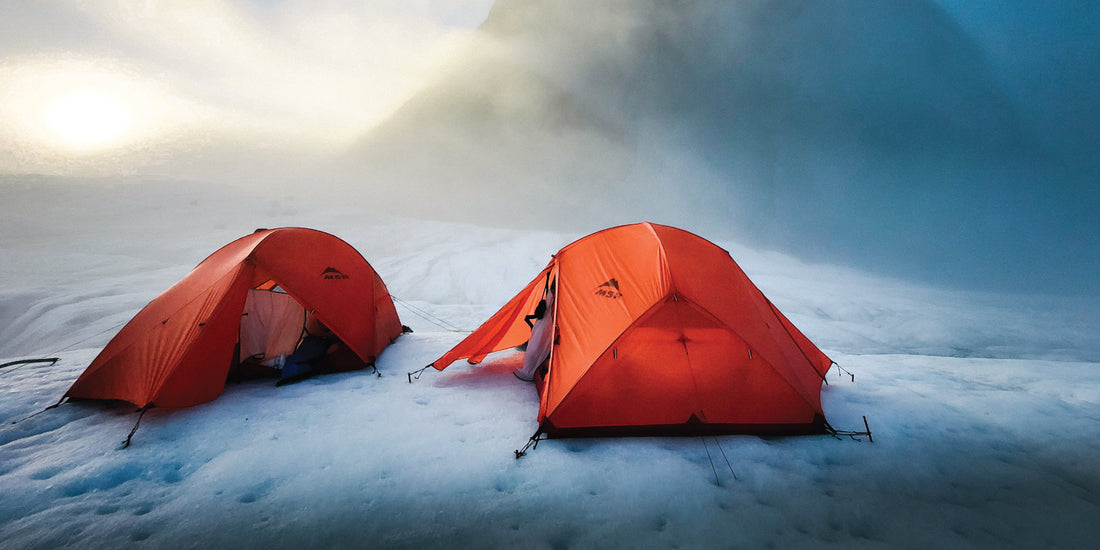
(840, 369)
(532, 444)
(838, 433)
(417, 373)
(142, 410)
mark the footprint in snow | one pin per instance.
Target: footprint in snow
(257, 492)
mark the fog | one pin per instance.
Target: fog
(949, 143)
(898, 137)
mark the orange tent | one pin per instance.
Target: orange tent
(657, 330)
(177, 351)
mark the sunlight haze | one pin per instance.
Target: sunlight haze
(169, 80)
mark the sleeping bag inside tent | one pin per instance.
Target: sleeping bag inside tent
(654, 330)
(259, 301)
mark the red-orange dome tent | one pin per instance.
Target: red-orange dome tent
(657, 330)
(177, 351)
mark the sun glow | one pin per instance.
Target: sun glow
(87, 119)
(83, 115)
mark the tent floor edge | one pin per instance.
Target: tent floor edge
(689, 429)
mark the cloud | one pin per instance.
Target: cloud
(294, 75)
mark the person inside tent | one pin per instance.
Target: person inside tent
(538, 347)
(317, 343)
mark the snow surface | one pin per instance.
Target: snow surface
(984, 408)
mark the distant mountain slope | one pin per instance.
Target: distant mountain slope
(863, 131)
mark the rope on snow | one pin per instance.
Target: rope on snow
(78, 342)
(427, 316)
(54, 406)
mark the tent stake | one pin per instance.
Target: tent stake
(532, 444)
(417, 373)
(850, 434)
(143, 410)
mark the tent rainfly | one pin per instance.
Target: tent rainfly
(654, 330)
(252, 296)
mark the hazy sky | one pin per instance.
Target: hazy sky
(120, 86)
(125, 86)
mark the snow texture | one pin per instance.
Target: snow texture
(984, 408)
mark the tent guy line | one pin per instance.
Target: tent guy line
(54, 360)
(726, 458)
(427, 316)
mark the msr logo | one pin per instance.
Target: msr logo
(333, 274)
(609, 289)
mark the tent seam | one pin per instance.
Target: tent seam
(746, 341)
(649, 312)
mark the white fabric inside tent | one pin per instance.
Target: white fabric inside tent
(271, 325)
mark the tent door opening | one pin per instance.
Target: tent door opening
(272, 326)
